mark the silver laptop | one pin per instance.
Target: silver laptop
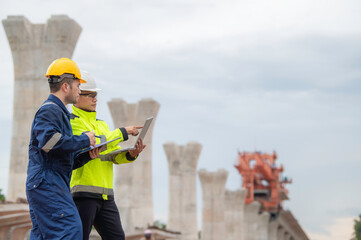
(141, 135)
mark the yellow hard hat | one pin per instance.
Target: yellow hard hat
(64, 65)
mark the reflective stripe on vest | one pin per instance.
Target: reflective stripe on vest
(52, 142)
(107, 158)
(92, 189)
(103, 139)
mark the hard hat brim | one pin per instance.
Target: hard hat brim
(91, 89)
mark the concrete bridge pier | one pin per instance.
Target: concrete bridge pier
(182, 208)
(273, 228)
(33, 48)
(213, 188)
(234, 214)
(133, 181)
(263, 221)
(251, 212)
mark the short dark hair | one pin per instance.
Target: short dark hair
(55, 86)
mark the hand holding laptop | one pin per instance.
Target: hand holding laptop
(138, 148)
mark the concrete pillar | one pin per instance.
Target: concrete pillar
(33, 47)
(263, 226)
(182, 208)
(133, 181)
(251, 212)
(286, 236)
(280, 233)
(273, 229)
(213, 188)
(234, 214)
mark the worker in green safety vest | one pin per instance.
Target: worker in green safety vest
(92, 184)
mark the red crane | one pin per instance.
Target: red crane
(261, 178)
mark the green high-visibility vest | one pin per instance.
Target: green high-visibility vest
(96, 176)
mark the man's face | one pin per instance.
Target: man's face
(87, 101)
(74, 92)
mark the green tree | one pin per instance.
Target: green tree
(160, 224)
(2, 196)
(357, 228)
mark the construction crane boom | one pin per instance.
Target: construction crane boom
(261, 178)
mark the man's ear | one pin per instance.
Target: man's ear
(65, 87)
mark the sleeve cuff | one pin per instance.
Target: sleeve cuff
(85, 139)
(125, 134)
(129, 158)
(81, 159)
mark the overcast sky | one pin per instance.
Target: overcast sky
(232, 75)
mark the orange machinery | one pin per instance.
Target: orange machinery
(261, 178)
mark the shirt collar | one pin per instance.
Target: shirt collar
(56, 100)
(85, 114)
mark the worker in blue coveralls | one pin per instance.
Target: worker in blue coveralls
(53, 153)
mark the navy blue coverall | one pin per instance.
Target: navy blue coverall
(52, 156)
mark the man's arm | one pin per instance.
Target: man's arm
(83, 158)
(138, 149)
(50, 136)
(122, 158)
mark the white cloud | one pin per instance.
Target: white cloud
(341, 228)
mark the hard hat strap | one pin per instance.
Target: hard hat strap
(57, 79)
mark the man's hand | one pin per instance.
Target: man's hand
(94, 153)
(133, 130)
(138, 148)
(91, 136)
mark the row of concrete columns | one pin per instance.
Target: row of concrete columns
(225, 216)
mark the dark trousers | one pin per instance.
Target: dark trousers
(103, 214)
